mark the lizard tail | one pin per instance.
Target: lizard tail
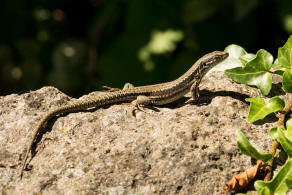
(36, 131)
(61, 110)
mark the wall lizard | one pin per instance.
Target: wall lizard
(157, 94)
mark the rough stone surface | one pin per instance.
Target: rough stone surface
(179, 148)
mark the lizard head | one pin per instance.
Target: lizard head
(212, 59)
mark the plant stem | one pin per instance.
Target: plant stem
(280, 123)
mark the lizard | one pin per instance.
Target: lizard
(157, 94)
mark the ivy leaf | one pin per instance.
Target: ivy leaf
(255, 72)
(235, 51)
(289, 128)
(246, 148)
(233, 60)
(276, 65)
(289, 183)
(287, 80)
(283, 137)
(265, 191)
(279, 72)
(263, 81)
(279, 134)
(281, 183)
(274, 133)
(244, 59)
(262, 61)
(259, 109)
(285, 54)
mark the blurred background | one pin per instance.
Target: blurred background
(78, 46)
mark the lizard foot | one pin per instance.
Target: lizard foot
(137, 107)
(192, 101)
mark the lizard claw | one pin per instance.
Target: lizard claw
(192, 101)
(137, 107)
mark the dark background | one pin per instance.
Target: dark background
(78, 46)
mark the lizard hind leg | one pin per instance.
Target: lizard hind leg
(128, 86)
(195, 91)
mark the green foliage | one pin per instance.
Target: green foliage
(162, 42)
(235, 53)
(280, 184)
(246, 58)
(289, 128)
(276, 65)
(285, 54)
(281, 136)
(255, 71)
(265, 191)
(285, 61)
(259, 109)
(247, 149)
(287, 80)
(273, 132)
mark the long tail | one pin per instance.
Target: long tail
(36, 131)
(79, 105)
(74, 107)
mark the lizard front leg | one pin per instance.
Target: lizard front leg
(195, 91)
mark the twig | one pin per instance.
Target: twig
(280, 123)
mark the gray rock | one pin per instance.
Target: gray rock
(182, 148)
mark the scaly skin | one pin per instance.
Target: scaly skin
(157, 94)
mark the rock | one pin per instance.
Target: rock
(179, 148)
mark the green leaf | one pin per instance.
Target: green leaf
(274, 133)
(289, 128)
(247, 149)
(261, 79)
(284, 141)
(289, 183)
(235, 52)
(259, 109)
(279, 72)
(263, 82)
(265, 191)
(255, 72)
(278, 185)
(246, 58)
(262, 61)
(285, 54)
(287, 81)
(282, 137)
(276, 65)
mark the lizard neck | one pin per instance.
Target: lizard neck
(201, 67)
